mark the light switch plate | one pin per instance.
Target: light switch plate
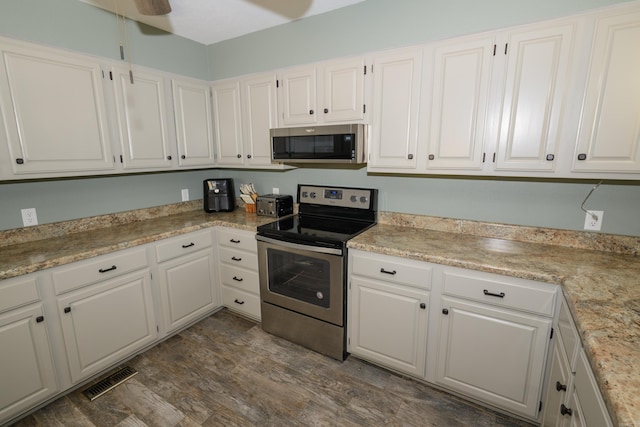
(185, 194)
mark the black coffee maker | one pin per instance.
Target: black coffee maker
(219, 195)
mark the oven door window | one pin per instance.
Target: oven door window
(299, 277)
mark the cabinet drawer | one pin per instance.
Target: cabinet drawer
(238, 239)
(239, 258)
(241, 301)
(17, 292)
(518, 294)
(240, 278)
(392, 269)
(569, 334)
(183, 245)
(82, 273)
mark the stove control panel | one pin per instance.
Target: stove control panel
(359, 198)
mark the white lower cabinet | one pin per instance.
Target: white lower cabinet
(239, 283)
(186, 279)
(107, 322)
(493, 338)
(27, 373)
(572, 394)
(388, 311)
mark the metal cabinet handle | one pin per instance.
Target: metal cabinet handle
(168, 157)
(67, 309)
(326, 110)
(310, 112)
(238, 279)
(582, 156)
(432, 157)
(445, 311)
(423, 305)
(236, 259)
(239, 156)
(188, 246)
(410, 157)
(565, 411)
(560, 387)
(248, 156)
(237, 301)
(39, 319)
(234, 241)
(491, 294)
(104, 270)
(393, 272)
(550, 157)
(20, 161)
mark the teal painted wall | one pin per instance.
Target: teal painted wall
(368, 26)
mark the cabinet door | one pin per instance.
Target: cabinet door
(388, 324)
(558, 384)
(106, 322)
(142, 119)
(609, 136)
(54, 111)
(344, 91)
(299, 96)
(537, 76)
(187, 289)
(259, 109)
(227, 122)
(193, 116)
(26, 367)
(459, 101)
(394, 138)
(492, 354)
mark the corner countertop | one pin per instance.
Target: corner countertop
(602, 290)
(602, 286)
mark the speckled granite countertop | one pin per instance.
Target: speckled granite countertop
(601, 288)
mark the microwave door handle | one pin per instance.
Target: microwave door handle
(289, 245)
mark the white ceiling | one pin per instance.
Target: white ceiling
(211, 21)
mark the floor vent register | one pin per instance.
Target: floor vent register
(109, 383)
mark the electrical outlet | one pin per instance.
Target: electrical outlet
(29, 217)
(275, 190)
(185, 194)
(591, 223)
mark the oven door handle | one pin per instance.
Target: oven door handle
(289, 245)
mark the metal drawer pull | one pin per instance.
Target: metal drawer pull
(104, 270)
(188, 246)
(238, 279)
(491, 294)
(236, 259)
(234, 241)
(67, 309)
(565, 411)
(237, 301)
(39, 319)
(423, 305)
(382, 270)
(560, 387)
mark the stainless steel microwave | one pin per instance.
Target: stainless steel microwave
(320, 144)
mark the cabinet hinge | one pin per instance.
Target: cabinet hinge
(277, 83)
(121, 161)
(506, 45)
(494, 50)
(372, 68)
(551, 334)
(157, 328)
(540, 406)
(364, 108)
(365, 70)
(494, 157)
(110, 75)
(151, 275)
(114, 159)
(484, 156)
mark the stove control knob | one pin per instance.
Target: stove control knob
(354, 199)
(363, 199)
(305, 194)
(313, 194)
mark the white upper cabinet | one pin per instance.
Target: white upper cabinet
(323, 93)
(535, 88)
(259, 114)
(396, 96)
(461, 74)
(497, 100)
(141, 109)
(609, 135)
(193, 117)
(53, 107)
(227, 122)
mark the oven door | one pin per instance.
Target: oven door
(306, 279)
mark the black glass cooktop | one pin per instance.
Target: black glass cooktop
(324, 231)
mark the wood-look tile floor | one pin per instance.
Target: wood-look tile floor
(225, 371)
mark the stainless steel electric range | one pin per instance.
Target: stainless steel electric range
(303, 266)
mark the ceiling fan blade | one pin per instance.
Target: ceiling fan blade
(292, 9)
(153, 7)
